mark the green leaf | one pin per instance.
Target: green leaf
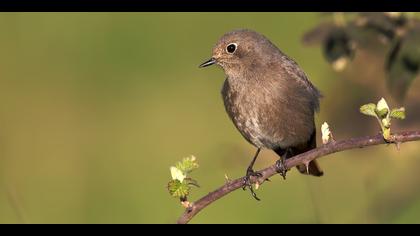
(180, 185)
(368, 109)
(178, 189)
(398, 113)
(382, 113)
(187, 164)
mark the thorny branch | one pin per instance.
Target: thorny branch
(330, 148)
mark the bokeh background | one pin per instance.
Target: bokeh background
(95, 108)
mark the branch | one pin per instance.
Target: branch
(330, 148)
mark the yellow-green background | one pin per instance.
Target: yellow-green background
(95, 107)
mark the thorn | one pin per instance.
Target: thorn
(227, 178)
(307, 167)
(398, 145)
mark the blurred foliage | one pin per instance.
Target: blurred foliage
(341, 37)
(94, 108)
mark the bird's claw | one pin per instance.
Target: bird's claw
(281, 168)
(248, 184)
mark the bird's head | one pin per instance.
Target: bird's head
(241, 49)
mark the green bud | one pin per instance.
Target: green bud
(382, 113)
(178, 189)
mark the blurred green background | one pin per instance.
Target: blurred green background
(95, 108)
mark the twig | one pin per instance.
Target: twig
(332, 147)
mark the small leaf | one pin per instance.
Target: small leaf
(398, 113)
(178, 189)
(368, 109)
(177, 174)
(187, 164)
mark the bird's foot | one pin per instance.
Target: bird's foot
(281, 168)
(248, 184)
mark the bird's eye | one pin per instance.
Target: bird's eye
(231, 48)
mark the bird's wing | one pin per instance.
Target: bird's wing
(294, 71)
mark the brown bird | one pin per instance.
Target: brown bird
(268, 97)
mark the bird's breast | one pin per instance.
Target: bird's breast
(243, 107)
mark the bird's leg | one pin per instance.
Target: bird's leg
(281, 166)
(250, 172)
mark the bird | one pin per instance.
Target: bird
(268, 97)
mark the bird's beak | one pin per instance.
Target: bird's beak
(208, 63)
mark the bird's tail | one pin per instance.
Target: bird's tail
(313, 167)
